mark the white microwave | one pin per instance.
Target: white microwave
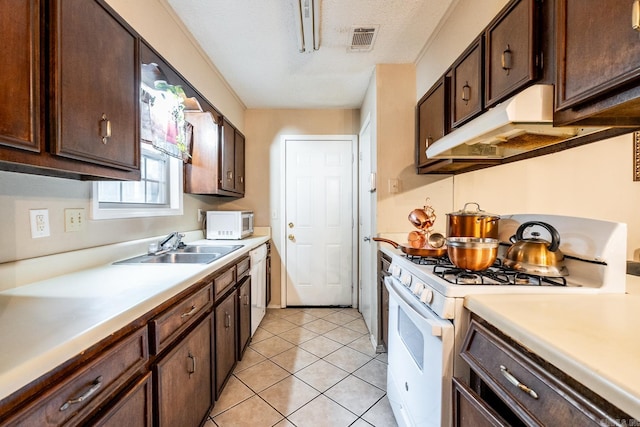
(229, 224)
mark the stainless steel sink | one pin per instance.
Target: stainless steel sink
(196, 254)
(206, 249)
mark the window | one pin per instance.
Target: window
(158, 193)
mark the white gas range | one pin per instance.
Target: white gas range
(427, 319)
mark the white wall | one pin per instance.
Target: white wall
(591, 181)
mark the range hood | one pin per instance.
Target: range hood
(520, 124)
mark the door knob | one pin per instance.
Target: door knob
(292, 237)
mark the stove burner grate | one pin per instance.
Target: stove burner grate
(494, 275)
(428, 260)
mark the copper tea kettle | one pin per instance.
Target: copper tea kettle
(535, 255)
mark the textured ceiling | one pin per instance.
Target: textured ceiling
(253, 45)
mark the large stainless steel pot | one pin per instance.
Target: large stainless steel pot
(472, 253)
(535, 255)
(472, 223)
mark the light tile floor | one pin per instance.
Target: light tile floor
(307, 367)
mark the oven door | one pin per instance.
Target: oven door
(420, 358)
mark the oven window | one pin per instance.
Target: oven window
(411, 337)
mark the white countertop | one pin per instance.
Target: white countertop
(45, 323)
(592, 338)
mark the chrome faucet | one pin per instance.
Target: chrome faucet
(165, 246)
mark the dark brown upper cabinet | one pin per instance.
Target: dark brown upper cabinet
(68, 90)
(512, 58)
(232, 159)
(96, 79)
(598, 63)
(467, 84)
(20, 108)
(432, 119)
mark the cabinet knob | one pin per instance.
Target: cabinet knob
(290, 225)
(105, 128)
(507, 60)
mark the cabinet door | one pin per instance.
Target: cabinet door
(239, 163)
(20, 74)
(597, 49)
(470, 410)
(133, 409)
(511, 51)
(183, 379)
(467, 85)
(432, 120)
(244, 315)
(95, 79)
(225, 339)
(227, 159)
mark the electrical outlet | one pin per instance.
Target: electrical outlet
(73, 220)
(39, 223)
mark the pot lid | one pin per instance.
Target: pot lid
(465, 211)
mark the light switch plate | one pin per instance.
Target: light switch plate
(73, 219)
(39, 223)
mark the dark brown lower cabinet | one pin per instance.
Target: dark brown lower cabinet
(184, 391)
(244, 315)
(133, 409)
(544, 396)
(225, 340)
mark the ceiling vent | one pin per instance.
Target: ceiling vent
(362, 38)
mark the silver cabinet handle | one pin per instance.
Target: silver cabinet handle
(105, 128)
(366, 238)
(506, 60)
(466, 92)
(635, 15)
(189, 313)
(95, 385)
(513, 380)
(227, 320)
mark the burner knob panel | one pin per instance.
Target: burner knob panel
(426, 296)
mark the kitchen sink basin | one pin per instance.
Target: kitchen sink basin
(206, 249)
(196, 254)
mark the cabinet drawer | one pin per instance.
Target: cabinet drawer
(224, 282)
(82, 393)
(242, 267)
(166, 327)
(540, 398)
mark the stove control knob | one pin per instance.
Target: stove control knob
(417, 288)
(405, 279)
(395, 270)
(426, 296)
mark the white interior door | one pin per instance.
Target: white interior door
(368, 300)
(319, 222)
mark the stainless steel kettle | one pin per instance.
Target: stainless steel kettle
(535, 255)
